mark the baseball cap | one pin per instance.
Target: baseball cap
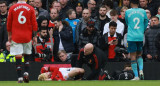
(90, 23)
(79, 4)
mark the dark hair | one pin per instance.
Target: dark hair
(134, 1)
(1, 2)
(43, 28)
(69, 12)
(57, 19)
(109, 3)
(113, 12)
(112, 23)
(155, 17)
(102, 6)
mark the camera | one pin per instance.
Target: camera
(121, 50)
(45, 55)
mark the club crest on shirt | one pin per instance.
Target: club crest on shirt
(75, 23)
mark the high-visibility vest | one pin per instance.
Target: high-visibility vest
(38, 47)
(11, 58)
(2, 58)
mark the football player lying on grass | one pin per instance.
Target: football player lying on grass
(60, 74)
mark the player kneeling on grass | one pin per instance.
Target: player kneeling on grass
(59, 74)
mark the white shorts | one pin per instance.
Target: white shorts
(65, 71)
(20, 48)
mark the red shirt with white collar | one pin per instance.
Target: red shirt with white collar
(21, 22)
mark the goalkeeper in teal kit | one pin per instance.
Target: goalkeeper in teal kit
(137, 22)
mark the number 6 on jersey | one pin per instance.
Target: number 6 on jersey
(21, 18)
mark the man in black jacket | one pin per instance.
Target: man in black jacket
(150, 50)
(94, 58)
(63, 37)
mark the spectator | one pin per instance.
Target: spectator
(62, 55)
(89, 35)
(110, 41)
(92, 8)
(20, 29)
(63, 37)
(144, 4)
(64, 9)
(42, 12)
(102, 19)
(36, 12)
(125, 3)
(72, 3)
(94, 58)
(42, 22)
(137, 22)
(3, 12)
(83, 23)
(56, 5)
(43, 50)
(3, 37)
(122, 19)
(120, 25)
(79, 9)
(72, 21)
(7, 56)
(109, 6)
(149, 18)
(150, 36)
(53, 14)
(158, 14)
(31, 2)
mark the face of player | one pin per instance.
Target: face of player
(78, 9)
(38, 3)
(102, 11)
(44, 23)
(43, 34)
(63, 57)
(143, 3)
(3, 8)
(57, 6)
(112, 30)
(53, 13)
(86, 14)
(73, 15)
(126, 2)
(154, 21)
(148, 14)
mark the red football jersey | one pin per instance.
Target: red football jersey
(21, 22)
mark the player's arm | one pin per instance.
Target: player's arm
(9, 24)
(54, 71)
(145, 20)
(126, 18)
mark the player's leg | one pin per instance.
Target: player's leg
(17, 50)
(140, 60)
(75, 72)
(132, 48)
(27, 47)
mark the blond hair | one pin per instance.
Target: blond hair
(42, 77)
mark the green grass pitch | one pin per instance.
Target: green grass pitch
(83, 83)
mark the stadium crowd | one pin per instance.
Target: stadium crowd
(66, 26)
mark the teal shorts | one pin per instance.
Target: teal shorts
(134, 46)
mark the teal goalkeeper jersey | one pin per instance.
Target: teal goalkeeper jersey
(137, 22)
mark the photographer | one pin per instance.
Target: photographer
(43, 50)
(110, 41)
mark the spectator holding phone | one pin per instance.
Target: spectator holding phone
(110, 41)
